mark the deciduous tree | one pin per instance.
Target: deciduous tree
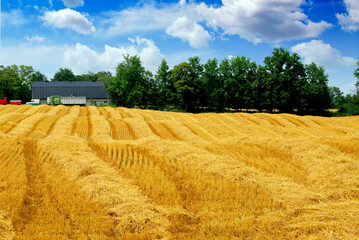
(288, 84)
(186, 92)
(318, 91)
(64, 74)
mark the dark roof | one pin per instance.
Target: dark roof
(68, 84)
(94, 90)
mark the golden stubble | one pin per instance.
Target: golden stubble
(118, 173)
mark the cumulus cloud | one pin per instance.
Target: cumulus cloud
(254, 20)
(82, 59)
(34, 39)
(14, 17)
(47, 59)
(68, 18)
(322, 54)
(73, 3)
(350, 21)
(189, 31)
(268, 20)
(146, 18)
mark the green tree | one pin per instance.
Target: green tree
(336, 96)
(261, 92)
(103, 76)
(186, 92)
(64, 74)
(213, 86)
(165, 85)
(93, 77)
(288, 83)
(15, 82)
(39, 77)
(130, 86)
(225, 74)
(196, 75)
(90, 76)
(251, 80)
(237, 86)
(195, 68)
(318, 90)
(350, 105)
(356, 74)
(153, 91)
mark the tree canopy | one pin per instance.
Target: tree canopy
(282, 84)
(64, 74)
(356, 74)
(15, 82)
(131, 85)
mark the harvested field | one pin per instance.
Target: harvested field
(117, 173)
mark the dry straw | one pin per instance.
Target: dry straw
(117, 173)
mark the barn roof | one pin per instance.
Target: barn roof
(94, 90)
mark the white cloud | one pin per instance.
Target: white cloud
(189, 31)
(68, 18)
(73, 3)
(322, 54)
(268, 20)
(82, 59)
(13, 18)
(34, 39)
(146, 18)
(350, 21)
(47, 59)
(254, 20)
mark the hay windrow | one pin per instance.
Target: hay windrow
(118, 173)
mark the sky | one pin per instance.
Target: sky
(88, 35)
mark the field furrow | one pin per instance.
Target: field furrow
(103, 111)
(82, 128)
(52, 207)
(117, 173)
(168, 182)
(11, 123)
(83, 112)
(134, 216)
(121, 130)
(23, 109)
(113, 113)
(196, 131)
(43, 127)
(125, 113)
(161, 130)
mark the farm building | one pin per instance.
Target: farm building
(91, 90)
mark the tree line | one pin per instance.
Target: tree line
(282, 84)
(349, 104)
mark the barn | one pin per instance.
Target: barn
(93, 91)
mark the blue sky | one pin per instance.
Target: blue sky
(87, 35)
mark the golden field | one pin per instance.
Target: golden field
(117, 173)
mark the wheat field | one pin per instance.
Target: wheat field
(117, 173)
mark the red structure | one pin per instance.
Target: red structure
(3, 101)
(15, 102)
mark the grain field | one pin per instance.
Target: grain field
(118, 173)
